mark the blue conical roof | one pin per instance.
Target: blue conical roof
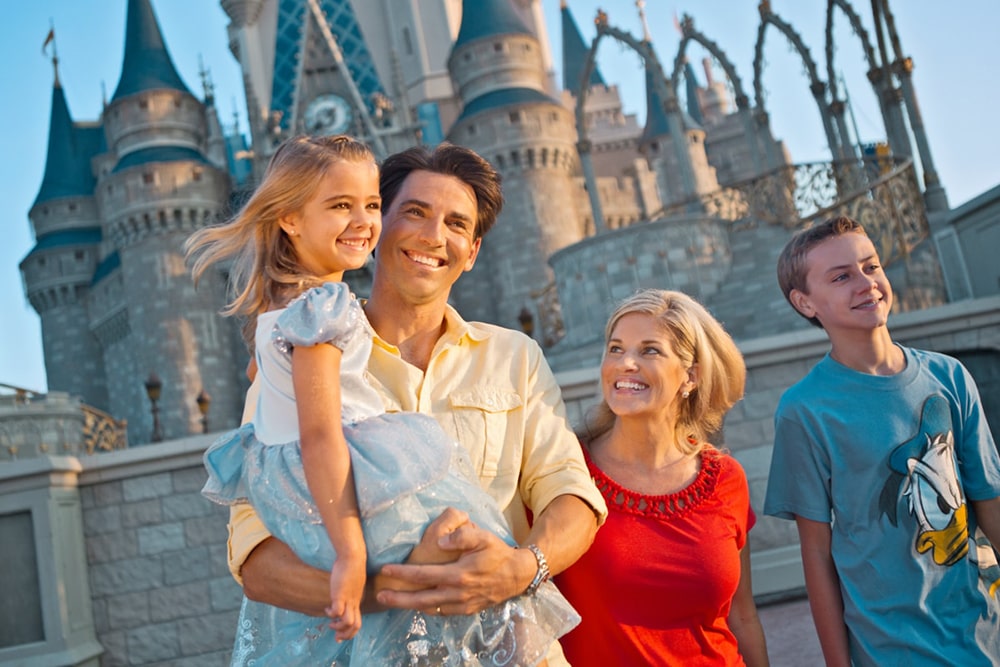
(487, 18)
(657, 124)
(656, 117)
(147, 64)
(574, 53)
(67, 165)
(691, 90)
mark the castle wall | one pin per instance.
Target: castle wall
(690, 254)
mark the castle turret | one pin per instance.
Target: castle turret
(507, 116)
(682, 170)
(574, 53)
(156, 186)
(58, 270)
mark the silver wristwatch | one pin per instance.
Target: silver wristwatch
(542, 575)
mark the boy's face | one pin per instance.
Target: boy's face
(846, 287)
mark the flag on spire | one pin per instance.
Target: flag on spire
(49, 38)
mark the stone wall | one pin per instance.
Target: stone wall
(156, 550)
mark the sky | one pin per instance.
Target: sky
(955, 79)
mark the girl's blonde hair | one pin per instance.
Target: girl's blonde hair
(696, 338)
(265, 271)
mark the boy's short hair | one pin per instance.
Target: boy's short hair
(792, 269)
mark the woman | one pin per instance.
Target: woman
(667, 580)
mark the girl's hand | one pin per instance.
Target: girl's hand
(347, 585)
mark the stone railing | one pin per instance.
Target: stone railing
(33, 424)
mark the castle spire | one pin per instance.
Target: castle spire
(67, 165)
(691, 91)
(574, 52)
(486, 18)
(147, 64)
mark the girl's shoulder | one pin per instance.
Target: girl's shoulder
(327, 313)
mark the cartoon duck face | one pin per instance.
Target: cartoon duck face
(936, 501)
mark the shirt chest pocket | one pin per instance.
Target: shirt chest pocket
(488, 423)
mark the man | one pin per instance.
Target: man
(489, 387)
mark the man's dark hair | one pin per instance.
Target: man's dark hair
(463, 163)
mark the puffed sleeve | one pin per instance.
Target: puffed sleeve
(325, 314)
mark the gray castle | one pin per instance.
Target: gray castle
(700, 198)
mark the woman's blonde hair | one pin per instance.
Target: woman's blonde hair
(697, 339)
(265, 271)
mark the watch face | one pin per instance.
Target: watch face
(327, 114)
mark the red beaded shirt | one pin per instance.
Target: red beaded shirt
(656, 586)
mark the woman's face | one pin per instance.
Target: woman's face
(640, 374)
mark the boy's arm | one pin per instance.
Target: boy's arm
(988, 518)
(743, 618)
(823, 586)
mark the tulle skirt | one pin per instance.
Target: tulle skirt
(406, 472)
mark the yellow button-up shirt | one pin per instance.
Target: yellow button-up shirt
(492, 390)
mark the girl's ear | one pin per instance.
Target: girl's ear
(289, 223)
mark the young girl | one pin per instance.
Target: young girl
(346, 486)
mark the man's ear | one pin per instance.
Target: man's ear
(802, 303)
(473, 254)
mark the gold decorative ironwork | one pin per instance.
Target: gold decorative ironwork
(101, 431)
(880, 193)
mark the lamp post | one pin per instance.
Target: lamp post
(203, 401)
(153, 387)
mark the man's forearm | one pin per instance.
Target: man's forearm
(564, 531)
(273, 574)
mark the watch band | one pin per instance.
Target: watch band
(542, 575)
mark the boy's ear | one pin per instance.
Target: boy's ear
(801, 302)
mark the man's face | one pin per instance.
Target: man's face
(846, 286)
(428, 237)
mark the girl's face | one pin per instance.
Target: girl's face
(338, 228)
(641, 375)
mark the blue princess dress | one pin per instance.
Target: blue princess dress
(406, 472)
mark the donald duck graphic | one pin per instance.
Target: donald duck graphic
(924, 472)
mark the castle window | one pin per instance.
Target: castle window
(471, 130)
(196, 174)
(78, 255)
(407, 41)
(515, 117)
(45, 210)
(148, 178)
(467, 57)
(144, 104)
(498, 46)
(177, 101)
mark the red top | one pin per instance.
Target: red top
(656, 586)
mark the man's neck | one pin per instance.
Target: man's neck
(873, 353)
(413, 328)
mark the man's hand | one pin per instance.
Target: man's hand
(486, 572)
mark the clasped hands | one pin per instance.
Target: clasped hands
(457, 568)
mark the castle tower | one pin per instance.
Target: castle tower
(682, 171)
(155, 186)
(508, 117)
(57, 272)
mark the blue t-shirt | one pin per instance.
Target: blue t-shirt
(892, 461)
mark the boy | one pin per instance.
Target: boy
(883, 457)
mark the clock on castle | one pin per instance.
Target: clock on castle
(327, 114)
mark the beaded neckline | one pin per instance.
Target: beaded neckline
(664, 507)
